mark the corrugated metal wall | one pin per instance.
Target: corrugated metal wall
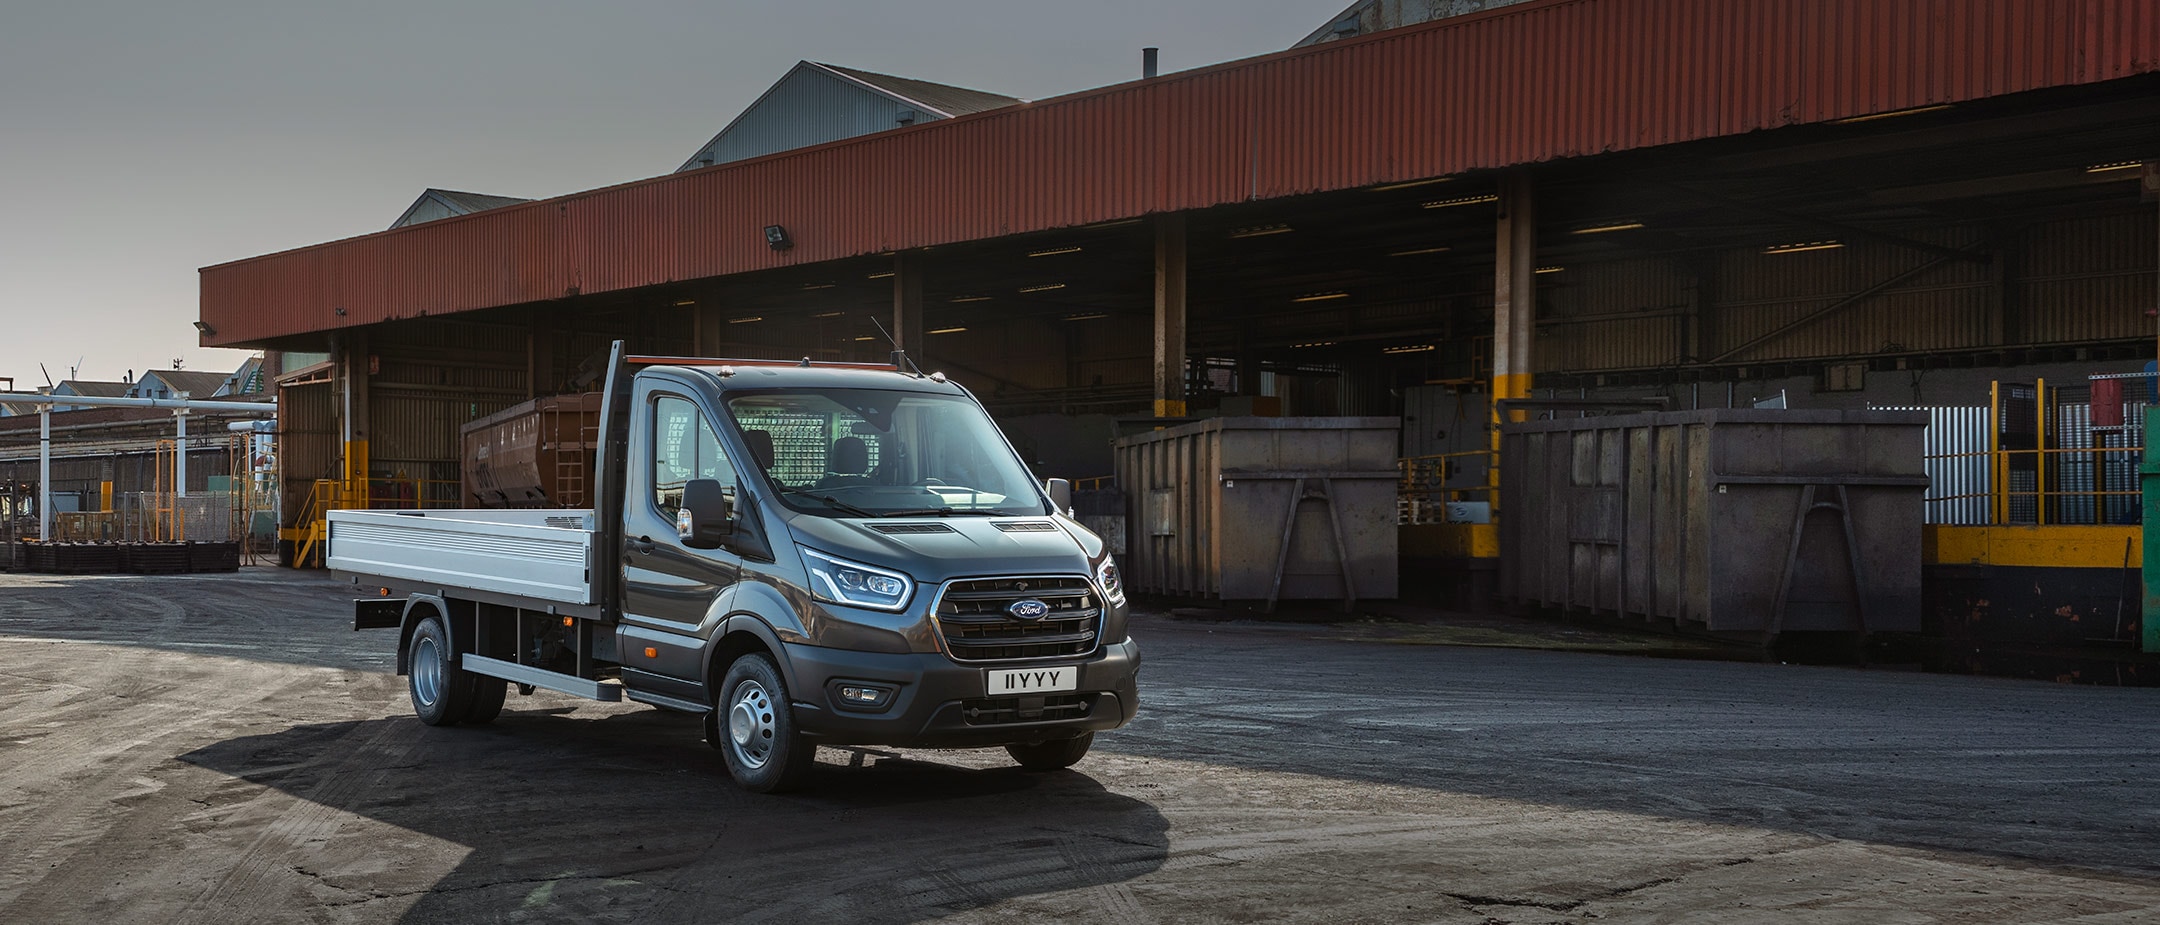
(2069, 281)
(1531, 83)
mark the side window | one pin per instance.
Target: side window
(685, 447)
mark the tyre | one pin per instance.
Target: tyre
(757, 730)
(487, 698)
(1053, 755)
(441, 692)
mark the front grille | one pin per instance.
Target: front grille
(1022, 710)
(977, 627)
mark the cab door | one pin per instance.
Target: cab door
(669, 588)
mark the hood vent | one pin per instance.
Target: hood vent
(890, 529)
(1028, 526)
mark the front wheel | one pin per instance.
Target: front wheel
(757, 729)
(1052, 755)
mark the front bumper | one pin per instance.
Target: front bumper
(942, 704)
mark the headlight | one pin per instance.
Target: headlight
(1113, 584)
(838, 581)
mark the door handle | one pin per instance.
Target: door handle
(642, 545)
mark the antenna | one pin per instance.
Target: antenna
(48, 376)
(899, 356)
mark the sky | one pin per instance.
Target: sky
(142, 140)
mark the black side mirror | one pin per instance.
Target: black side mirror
(1060, 491)
(706, 517)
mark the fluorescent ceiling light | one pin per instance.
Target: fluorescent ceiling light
(828, 314)
(867, 337)
(808, 286)
(1410, 348)
(1408, 184)
(885, 275)
(1046, 287)
(1260, 231)
(1316, 343)
(1055, 251)
(1463, 201)
(1550, 269)
(1601, 229)
(2119, 165)
(947, 330)
(971, 298)
(1891, 114)
(1802, 247)
(1087, 316)
(746, 320)
(685, 302)
(1321, 297)
(1418, 251)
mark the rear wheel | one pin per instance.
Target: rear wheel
(441, 692)
(1052, 755)
(757, 729)
(487, 698)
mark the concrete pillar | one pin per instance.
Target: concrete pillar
(1514, 304)
(1170, 316)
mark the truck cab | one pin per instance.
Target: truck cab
(805, 554)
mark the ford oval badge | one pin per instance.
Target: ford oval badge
(1028, 609)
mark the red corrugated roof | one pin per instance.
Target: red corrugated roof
(1517, 85)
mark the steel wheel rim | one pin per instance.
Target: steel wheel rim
(751, 729)
(427, 671)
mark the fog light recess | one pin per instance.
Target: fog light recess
(862, 696)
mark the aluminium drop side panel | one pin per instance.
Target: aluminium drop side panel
(539, 555)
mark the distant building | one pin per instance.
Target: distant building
(1366, 17)
(89, 388)
(436, 204)
(173, 383)
(816, 103)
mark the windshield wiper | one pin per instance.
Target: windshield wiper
(835, 502)
(950, 511)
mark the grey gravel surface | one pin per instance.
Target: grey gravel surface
(225, 749)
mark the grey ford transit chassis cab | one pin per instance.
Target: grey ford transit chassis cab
(804, 553)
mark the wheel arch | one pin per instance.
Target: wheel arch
(457, 620)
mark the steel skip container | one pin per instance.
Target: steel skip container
(1727, 520)
(1262, 509)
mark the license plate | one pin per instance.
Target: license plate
(1008, 682)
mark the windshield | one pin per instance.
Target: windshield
(874, 453)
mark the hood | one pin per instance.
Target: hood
(934, 549)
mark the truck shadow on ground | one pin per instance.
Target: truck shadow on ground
(574, 817)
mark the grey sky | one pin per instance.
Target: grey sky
(140, 141)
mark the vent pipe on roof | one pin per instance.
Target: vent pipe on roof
(1147, 61)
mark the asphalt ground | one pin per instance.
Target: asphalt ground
(223, 749)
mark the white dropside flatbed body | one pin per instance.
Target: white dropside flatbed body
(534, 557)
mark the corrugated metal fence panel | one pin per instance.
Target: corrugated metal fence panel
(1960, 479)
(1524, 84)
